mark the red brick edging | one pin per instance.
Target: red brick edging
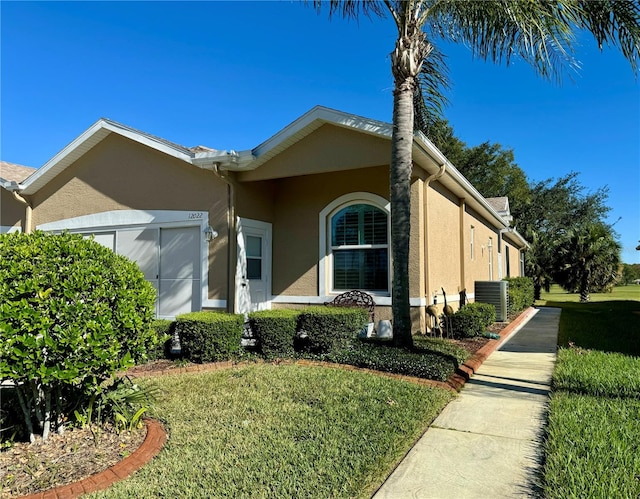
(156, 436)
(471, 365)
(153, 442)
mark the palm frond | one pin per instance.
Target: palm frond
(614, 23)
(429, 99)
(350, 9)
(538, 32)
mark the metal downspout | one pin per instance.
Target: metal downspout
(232, 239)
(28, 215)
(429, 179)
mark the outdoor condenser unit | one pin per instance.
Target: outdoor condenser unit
(495, 293)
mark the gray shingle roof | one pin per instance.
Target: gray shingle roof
(12, 172)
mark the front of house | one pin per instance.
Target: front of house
(297, 220)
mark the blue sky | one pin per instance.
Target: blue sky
(231, 74)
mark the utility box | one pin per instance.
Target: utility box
(494, 293)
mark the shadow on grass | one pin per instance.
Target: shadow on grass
(608, 326)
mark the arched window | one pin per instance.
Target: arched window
(354, 245)
(359, 249)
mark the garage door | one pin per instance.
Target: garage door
(169, 259)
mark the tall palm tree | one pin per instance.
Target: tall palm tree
(539, 32)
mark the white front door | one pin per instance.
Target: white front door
(253, 270)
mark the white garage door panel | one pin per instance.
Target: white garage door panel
(107, 239)
(141, 246)
(180, 253)
(178, 296)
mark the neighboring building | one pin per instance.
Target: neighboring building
(12, 210)
(302, 217)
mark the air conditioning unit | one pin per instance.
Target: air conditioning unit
(495, 293)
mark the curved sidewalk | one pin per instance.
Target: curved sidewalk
(486, 443)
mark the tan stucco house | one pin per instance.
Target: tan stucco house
(298, 219)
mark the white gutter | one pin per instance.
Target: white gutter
(225, 160)
(428, 148)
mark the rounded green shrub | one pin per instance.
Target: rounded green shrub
(520, 291)
(72, 313)
(472, 319)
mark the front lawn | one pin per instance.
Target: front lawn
(269, 430)
(593, 436)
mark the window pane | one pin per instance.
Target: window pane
(254, 268)
(344, 227)
(359, 224)
(254, 246)
(361, 269)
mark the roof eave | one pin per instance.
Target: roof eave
(90, 138)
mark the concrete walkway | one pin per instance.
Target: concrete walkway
(486, 443)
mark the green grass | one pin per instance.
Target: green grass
(592, 447)
(281, 431)
(557, 294)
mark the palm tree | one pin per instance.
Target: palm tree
(539, 32)
(589, 258)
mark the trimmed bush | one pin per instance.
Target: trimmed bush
(331, 328)
(422, 363)
(472, 319)
(209, 336)
(72, 313)
(520, 291)
(275, 331)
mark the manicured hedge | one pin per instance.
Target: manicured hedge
(472, 319)
(209, 336)
(275, 331)
(331, 328)
(419, 362)
(520, 291)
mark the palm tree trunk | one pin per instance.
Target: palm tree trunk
(400, 195)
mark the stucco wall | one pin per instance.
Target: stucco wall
(296, 232)
(12, 212)
(443, 243)
(120, 174)
(328, 149)
(477, 267)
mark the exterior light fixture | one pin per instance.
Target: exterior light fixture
(210, 234)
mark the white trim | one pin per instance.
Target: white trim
(117, 218)
(382, 301)
(324, 260)
(7, 229)
(154, 219)
(214, 304)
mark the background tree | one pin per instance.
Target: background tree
(630, 273)
(539, 33)
(588, 259)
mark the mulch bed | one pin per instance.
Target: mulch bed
(64, 458)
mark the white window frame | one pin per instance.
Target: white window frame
(325, 263)
(472, 236)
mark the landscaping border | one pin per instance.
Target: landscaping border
(151, 446)
(156, 435)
